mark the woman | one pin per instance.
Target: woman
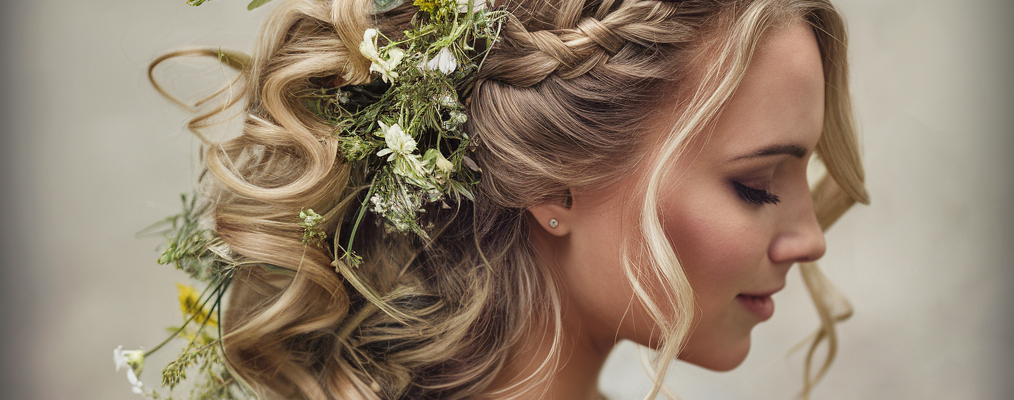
(642, 171)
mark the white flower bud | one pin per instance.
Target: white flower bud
(444, 61)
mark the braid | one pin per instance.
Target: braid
(562, 103)
(571, 49)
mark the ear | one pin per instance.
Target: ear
(546, 214)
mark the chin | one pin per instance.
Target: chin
(717, 357)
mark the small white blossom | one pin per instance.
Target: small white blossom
(133, 360)
(398, 142)
(444, 61)
(477, 5)
(400, 147)
(386, 68)
(379, 205)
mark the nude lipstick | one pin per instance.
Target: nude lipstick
(760, 305)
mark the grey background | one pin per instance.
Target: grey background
(90, 154)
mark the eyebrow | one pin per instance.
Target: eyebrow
(794, 150)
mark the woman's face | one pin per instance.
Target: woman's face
(738, 215)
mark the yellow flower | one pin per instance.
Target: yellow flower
(190, 305)
(429, 6)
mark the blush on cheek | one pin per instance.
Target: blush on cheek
(713, 243)
(720, 248)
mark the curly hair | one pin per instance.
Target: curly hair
(566, 91)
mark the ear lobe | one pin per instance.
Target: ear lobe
(553, 218)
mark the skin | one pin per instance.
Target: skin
(728, 246)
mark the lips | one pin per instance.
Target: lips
(760, 305)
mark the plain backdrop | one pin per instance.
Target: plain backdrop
(91, 154)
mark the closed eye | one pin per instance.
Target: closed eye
(754, 196)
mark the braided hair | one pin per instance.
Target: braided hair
(562, 102)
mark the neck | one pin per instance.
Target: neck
(575, 375)
(582, 350)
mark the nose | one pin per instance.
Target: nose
(799, 237)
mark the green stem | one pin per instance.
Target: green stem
(226, 281)
(359, 217)
(218, 301)
(490, 42)
(217, 285)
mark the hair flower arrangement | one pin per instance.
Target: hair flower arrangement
(402, 132)
(408, 134)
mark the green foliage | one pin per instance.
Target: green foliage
(176, 370)
(187, 246)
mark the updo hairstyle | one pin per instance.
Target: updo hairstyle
(564, 102)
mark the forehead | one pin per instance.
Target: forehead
(780, 100)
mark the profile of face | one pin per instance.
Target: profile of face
(738, 214)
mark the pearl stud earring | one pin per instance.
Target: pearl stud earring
(553, 223)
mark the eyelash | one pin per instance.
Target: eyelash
(755, 196)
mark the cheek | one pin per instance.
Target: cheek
(721, 247)
(715, 237)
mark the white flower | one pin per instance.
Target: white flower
(386, 68)
(133, 360)
(128, 358)
(398, 142)
(477, 5)
(399, 151)
(369, 45)
(379, 205)
(444, 61)
(378, 64)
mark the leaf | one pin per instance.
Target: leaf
(196, 2)
(470, 163)
(254, 4)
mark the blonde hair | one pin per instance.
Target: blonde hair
(564, 93)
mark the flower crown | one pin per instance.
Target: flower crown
(403, 131)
